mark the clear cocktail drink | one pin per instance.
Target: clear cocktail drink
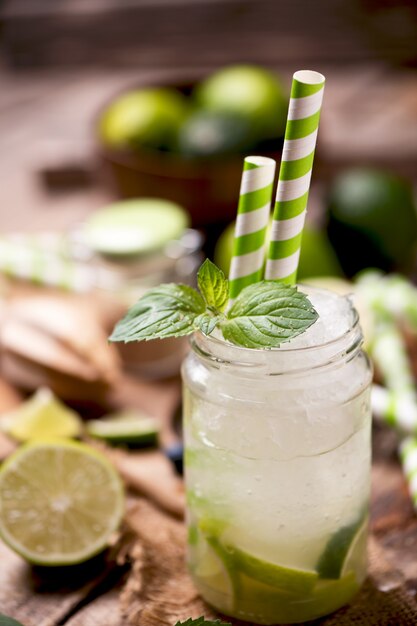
(277, 469)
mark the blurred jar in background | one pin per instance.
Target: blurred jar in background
(130, 247)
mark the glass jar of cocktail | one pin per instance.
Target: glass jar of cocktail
(276, 405)
(277, 467)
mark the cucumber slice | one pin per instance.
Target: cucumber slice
(125, 428)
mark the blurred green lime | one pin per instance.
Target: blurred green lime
(209, 134)
(135, 227)
(317, 257)
(145, 117)
(372, 220)
(224, 248)
(249, 91)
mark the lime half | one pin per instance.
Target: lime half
(345, 551)
(129, 428)
(43, 415)
(59, 502)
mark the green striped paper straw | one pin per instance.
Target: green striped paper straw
(390, 356)
(294, 176)
(41, 259)
(408, 456)
(397, 410)
(251, 223)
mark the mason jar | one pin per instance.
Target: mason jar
(130, 247)
(277, 466)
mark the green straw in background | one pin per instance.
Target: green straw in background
(294, 176)
(251, 223)
(394, 409)
(408, 456)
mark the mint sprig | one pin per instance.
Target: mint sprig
(5, 620)
(166, 311)
(267, 314)
(201, 621)
(264, 315)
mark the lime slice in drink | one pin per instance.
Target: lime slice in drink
(266, 604)
(43, 415)
(125, 428)
(286, 579)
(210, 572)
(356, 556)
(59, 502)
(344, 551)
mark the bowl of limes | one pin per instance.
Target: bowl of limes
(186, 140)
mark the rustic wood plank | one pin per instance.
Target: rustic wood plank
(104, 611)
(25, 596)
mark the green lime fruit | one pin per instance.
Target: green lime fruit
(60, 502)
(145, 117)
(345, 551)
(43, 415)
(125, 428)
(317, 257)
(251, 92)
(208, 134)
(135, 227)
(372, 220)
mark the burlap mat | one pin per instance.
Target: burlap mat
(159, 590)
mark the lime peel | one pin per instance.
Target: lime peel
(341, 548)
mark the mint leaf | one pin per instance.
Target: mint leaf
(266, 314)
(213, 285)
(201, 621)
(8, 621)
(206, 323)
(166, 311)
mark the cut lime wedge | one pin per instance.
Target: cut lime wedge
(43, 415)
(59, 502)
(128, 427)
(344, 551)
(288, 580)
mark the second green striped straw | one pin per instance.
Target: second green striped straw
(251, 223)
(294, 176)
